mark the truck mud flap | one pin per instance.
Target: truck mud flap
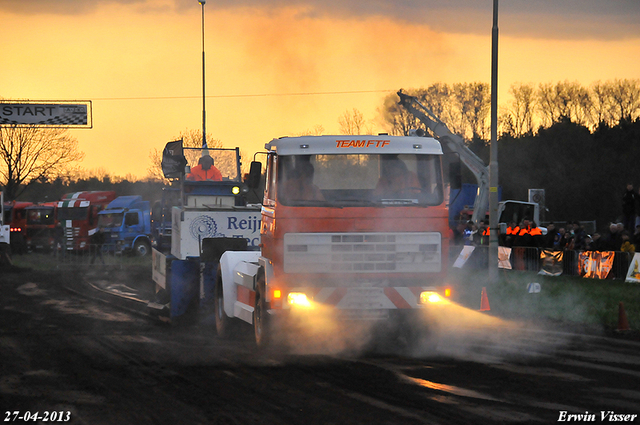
(185, 282)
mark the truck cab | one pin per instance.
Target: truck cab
(78, 214)
(41, 223)
(126, 223)
(356, 224)
(15, 215)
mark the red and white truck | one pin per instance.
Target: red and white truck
(78, 214)
(366, 235)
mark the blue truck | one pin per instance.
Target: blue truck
(126, 223)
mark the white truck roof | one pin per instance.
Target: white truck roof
(361, 144)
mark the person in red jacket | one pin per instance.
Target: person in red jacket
(205, 170)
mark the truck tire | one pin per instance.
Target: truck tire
(261, 322)
(421, 338)
(141, 248)
(223, 322)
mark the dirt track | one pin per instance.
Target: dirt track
(61, 351)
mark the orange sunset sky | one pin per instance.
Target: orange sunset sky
(284, 67)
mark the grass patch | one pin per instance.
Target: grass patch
(566, 299)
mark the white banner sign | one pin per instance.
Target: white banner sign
(46, 114)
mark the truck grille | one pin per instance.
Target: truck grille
(362, 252)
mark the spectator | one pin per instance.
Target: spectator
(483, 233)
(550, 238)
(468, 233)
(626, 245)
(511, 234)
(560, 240)
(537, 238)
(524, 237)
(97, 241)
(458, 234)
(609, 240)
(579, 234)
(629, 201)
(570, 243)
(635, 239)
(588, 244)
(596, 242)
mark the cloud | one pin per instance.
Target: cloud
(567, 19)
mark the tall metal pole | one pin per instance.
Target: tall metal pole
(204, 114)
(493, 165)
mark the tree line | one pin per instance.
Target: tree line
(466, 107)
(579, 143)
(582, 145)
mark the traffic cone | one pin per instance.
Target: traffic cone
(484, 300)
(623, 323)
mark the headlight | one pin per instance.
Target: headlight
(430, 297)
(235, 190)
(298, 299)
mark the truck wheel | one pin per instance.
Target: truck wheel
(223, 322)
(141, 249)
(261, 325)
(420, 340)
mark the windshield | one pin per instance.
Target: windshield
(110, 220)
(40, 216)
(356, 180)
(73, 213)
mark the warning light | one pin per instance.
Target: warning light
(277, 294)
(447, 292)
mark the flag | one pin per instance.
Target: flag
(633, 275)
(504, 253)
(595, 264)
(464, 256)
(551, 262)
(173, 160)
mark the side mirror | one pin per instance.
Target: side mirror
(254, 175)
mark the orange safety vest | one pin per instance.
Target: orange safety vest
(513, 231)
(524, 231)
(198, 174)
(535, 231)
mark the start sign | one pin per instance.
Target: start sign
(54, 114)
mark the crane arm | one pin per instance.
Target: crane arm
(456, 144)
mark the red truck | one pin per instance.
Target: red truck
(78, 215)
(41, 224)
(15, 216)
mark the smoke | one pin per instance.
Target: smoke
(439, 330)
(319, 329)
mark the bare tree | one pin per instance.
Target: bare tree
(601, 106)
(625, 99)
(475, 109)
(521, 109)
(34, 153)
(396, 119)
(352, 123)
(317, 130)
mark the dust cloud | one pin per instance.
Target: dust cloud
(448, 330)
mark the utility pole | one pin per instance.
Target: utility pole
(493, 165)
(204, 114)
